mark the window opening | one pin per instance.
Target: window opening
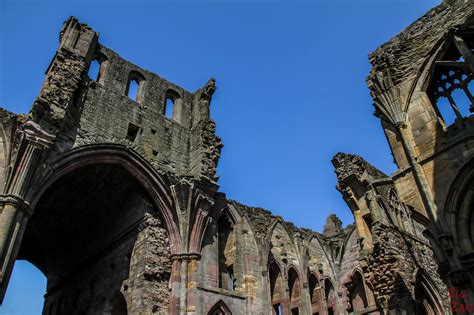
(94, 70)
(132, 132)
(132, 92)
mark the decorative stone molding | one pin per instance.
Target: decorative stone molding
(37, 135)
(18, 202)
(186, 257)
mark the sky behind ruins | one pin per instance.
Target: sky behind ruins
(291, 87)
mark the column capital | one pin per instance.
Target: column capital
(186, 257)
(18, 202)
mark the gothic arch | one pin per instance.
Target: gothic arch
(277, 287)
(282, 247)
(227, 251)
(273, 226)
(330, 296)
(294, 290)
(136, 165)
(426, 72)
(357, 292)
(458, 209)
(319, 256)
(315, 294)
(81, 221)
(220, 308)
(427, 300)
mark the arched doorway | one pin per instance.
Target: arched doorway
(84, 234)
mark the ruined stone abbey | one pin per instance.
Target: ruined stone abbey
(151, 233)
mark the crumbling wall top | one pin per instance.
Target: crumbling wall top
(351, 164)
(404, 55)
(261, 221)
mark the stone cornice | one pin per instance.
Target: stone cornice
(36, 135)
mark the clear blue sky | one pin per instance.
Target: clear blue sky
(291, 88)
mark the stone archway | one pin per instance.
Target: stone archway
(92, 232)
(427, 301)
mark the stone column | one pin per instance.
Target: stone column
(175, 283)
(285, 301)
(305, 304)
(15, 210)
(184, 279)
(191, 284)
(14, 215)
(324, 299)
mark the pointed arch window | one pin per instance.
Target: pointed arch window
(357, 294)
(330, 296)
(226, 251)
(277, 288)
(451, 88)
(294, 290)
(314, 293)
(399, 212)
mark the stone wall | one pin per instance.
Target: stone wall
(417, 82)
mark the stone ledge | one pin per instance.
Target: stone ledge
(225, 292)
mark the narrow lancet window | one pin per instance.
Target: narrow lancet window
(226, 252)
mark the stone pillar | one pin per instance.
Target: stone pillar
(14, 215)
(285, 301)
(191, 284)
(175, 283)
(324, 299)
(184, 279)
(183, 290)
(15, 210)
(305, 304)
